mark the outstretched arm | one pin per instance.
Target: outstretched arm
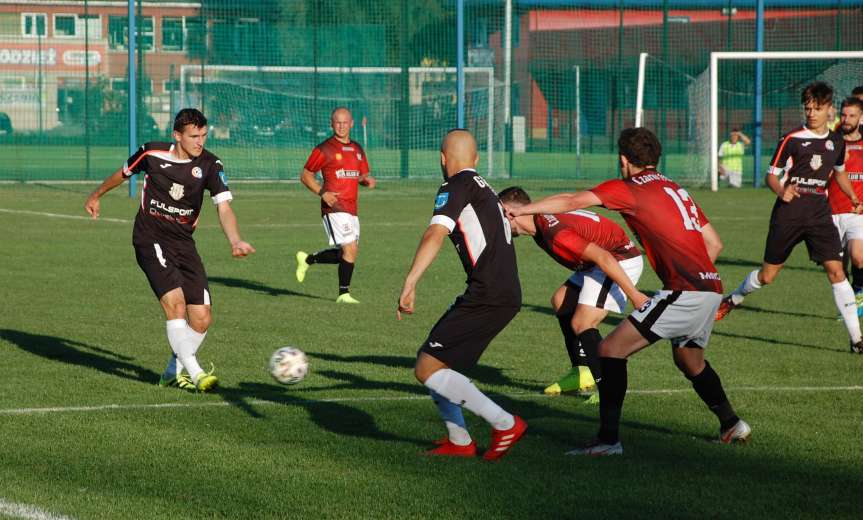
(228, 220)
(92, 205)
(430, 244)
(611, 267)
(560, 203)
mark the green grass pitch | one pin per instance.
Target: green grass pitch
(86, 433)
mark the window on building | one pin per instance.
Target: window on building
(34, 24)
(173, 33)
(196, 35)
(89, 25)
(118, 32)
(64, 25)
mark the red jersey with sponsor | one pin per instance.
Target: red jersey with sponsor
(564, 236)
(341, 165)
(839, 202)
(667, 223)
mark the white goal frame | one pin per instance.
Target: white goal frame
(489, 71)
(715, 57)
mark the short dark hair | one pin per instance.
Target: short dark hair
(189, 116)
(858, 91)
(852, 102)
(818, 92)
(640, 147)
(735, 128)
(514, 194)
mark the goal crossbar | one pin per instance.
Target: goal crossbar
(489, 71)
(752, 55)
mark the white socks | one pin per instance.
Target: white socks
(843, 295)
(459, 390)
(184, 342)
(173, 369)
(750, 284)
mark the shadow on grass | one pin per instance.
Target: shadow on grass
(330, 415)
(81, 354)
(259, 287)
(740, 262)
(777, 342)
(745, 307)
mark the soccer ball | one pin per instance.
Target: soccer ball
(289, 365)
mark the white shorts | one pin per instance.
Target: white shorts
(850, 226)
(341, 228)
(597, 290)
(684, 317)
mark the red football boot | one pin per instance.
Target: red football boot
(448, 449)
(503, 440)
(725, 307)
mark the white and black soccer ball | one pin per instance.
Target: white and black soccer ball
(289, 365)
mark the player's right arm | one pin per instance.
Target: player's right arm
(91, 205)
(560, 203)
(315, 163)
(428, 249)
(787, 193)
(778, 166)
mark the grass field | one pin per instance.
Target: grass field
(86, 433)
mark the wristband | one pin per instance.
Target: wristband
(321, 192)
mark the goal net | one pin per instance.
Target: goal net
(270, 117)
(700, 108)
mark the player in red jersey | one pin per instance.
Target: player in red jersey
(801, 167)
(606, 266)
(343, 166)
(848, 223)
(681, 246)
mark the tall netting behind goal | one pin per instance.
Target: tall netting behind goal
(272, 116)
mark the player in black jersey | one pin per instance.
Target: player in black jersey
(799, 171)
(175, 177)
(469, 211)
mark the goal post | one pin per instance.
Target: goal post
(688, 97)
(428, 90)
(715, 57)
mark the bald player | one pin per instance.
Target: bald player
(469, 211)
(343, 166)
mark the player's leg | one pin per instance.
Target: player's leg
(455, 343)
(331, 255)
(585, 323)
(346, 271)
(563, 302)
(754, 280)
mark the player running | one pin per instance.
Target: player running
(606, 266)
(343, 166)
(848, 223)
(681, 246)
(176, 175)
(799, 172)
(468, 210)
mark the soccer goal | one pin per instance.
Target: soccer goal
(288, 106)
(700, 107)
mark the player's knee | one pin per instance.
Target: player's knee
(766, 278)
(201, 322)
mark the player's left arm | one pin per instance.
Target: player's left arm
(366, 178)
(427, 251)
(611, 267)
(228, 220)
(560, 203)
(711, 241)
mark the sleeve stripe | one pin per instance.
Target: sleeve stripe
(128, 169)
(444, 221)
(781, 147)
(225, 196)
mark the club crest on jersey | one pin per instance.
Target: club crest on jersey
(829, 145)
(815, 162)
(441, 200)
(197, 172)
(338, 156)
(176, 191)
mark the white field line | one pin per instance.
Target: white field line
(13, 510)
(125, 221)
(262, 402)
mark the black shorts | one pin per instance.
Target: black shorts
(171, 264)
(462, 334)
(817, 230)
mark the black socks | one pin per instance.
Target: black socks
(569, 337)
(589, 341)
(327, 256)
(709, 388)
(346, 271)
(612, 391)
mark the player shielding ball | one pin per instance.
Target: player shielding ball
(176, 175)
(848, 223)
(468, 210)
(343, 166)
(681, 245)
(799, 172)
(606, 266)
